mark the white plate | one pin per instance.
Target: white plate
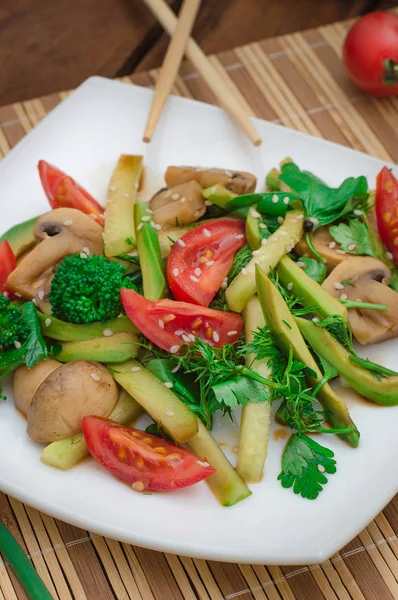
(84, 136)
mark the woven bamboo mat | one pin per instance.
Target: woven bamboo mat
(296, 80)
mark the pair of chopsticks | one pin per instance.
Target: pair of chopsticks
(181, 43)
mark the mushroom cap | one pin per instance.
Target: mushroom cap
(26, 382)
(239, 182)
(72, 391)
(169, 211)
(366, 279)
(59, 233)
(321, 240)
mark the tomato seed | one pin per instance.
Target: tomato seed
(160, 450)
(138, 486)
(148, 441)
(197, 323)
(209, 333)
(140, 462)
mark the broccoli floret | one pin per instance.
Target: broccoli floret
(86, 289)
(13, 329)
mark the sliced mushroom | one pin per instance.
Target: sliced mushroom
(59, 233)
(26, 382)
(181, 205)
(326, 246)
(74, 390)
(366, 279)
(239, 182)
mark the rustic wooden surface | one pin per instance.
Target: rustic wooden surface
(50, 45)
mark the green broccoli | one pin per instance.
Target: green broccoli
(86, 289)
(13, 329)
(20, 333)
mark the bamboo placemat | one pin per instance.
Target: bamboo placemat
(296, 80)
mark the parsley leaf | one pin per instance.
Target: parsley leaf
(304, 463)
(314, 268)
(239, 390)
(321, 202)
(353, 237)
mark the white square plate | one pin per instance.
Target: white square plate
(84, 137)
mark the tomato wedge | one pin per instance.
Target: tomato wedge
(387, 210)
(143, 460)
(201, 259)
(63, 191)
(169, 324)
(8, 263)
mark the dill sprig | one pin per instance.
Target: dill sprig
(241, 259)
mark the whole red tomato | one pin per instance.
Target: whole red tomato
(371, 53)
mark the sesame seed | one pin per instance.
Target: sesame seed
(339, 251)
(300, 264)
(176, 272)
(169, 413)
(343, 296)
(275, 198)
(175, 369)
(263, 226)
(203, 463)
(255, 252)
(33, 299)
(314, 220)
(181, 243)
(332, 245)
(183, 200)
(107, 332)
(244, 271)
(228, 173)
(288, 248)
(224, 285)
(174, 349)
(214, 189)
(191, 337)
(315, 320)
(112, 188)
(300, 216)
(95, 376)
(358, 212)
(264, 242)
(194, 279)
(358, 299)
(146, 218)
(150, 211)
(280, 220)
(18, 295)
(232, 332)
(198, 271)
(161, 323)
(140, 226)
(282, 232)
(338, 285)
(286, 200)
(17, 344)
(290, 286)
(185, 338)
(179, 332)
(126, 195)
(274, 238)
(175, 196)
(83, 255)
(135, 369)
(198, 213)
(206, 233)
(388, 254)
(47, 322)
(68, 222)
(255, 214)
(351, 247)
(208, 203)
(138, 486)
(40, 295)
(321, 468)
(86, 250)
(216, 337)
(168, 384)
(209, 263)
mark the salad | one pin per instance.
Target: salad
(209, 297)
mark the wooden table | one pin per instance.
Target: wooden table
(51, 45)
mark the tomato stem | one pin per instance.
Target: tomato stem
(390, 76)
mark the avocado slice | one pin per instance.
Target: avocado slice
(256, 416)
(149, 252)
(20, 237)
(114, 349)
(65, 454)
(272, 180)
(309, 291)
(225, 484)
(158, 401)
(119, 232)
(287, 335)
(70, 332)
(253, 231)
(382, 391)
(220, 196)
(267, 257)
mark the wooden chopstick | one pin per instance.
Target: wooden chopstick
(231, 103)
(171, 64)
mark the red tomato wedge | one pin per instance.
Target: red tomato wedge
(8, 263)
(387, 210)
(143, 460)
(169, 324)
(63, 191)
(201, 259)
